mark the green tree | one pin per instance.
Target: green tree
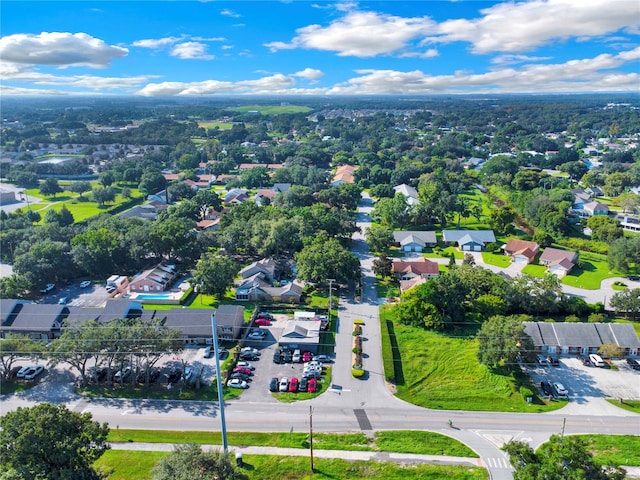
(107, 178)
(501, 339)
(50, 187)
(45, 261)
(152, 182)
(627, 302)
(14, 286)
(63, 217)
(575, 170)
(189, 461)
(501, 219)
(610, 350)
(383, 266)
(604, 229)
(80, 187)
(391, 212)
(325, 258)
(80, 344)
(172, 237)
(214, 274)
(52, 442)
(15, 347)
(379, 238)
(96, 250)
(103, 195)
(561, 458)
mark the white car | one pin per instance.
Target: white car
(560, 390)
(284, 384)
(23, 371)
(48, 288)
(85, 284)
(33, 372)
(245, 365)
(322, 358)
(255, 351)
(237, 383)
(188, 373)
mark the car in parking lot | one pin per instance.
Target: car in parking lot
(48, 287)
(63, 301)
(293, 385)
(633, 363)
(208, 352)
(241, 376)
(122, 375)
(306, 357)
(250, 350)
(312, 386)
(322, 358)
(237, 383)
(154, 374)
(174, 375)
(560, 390)
(553, 361)
(245, 370)
(33, 372)
(277, 357)
(546, 388)
(287, 356)
(542, 360)
(249, 356)
(303, 384)
(188, 373)
(274, 384)
(246, 365)
(596, 360)
(85, 284)
(257, 335)
(21, 373)
(284, 384)
(262, 322)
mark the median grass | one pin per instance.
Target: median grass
(614, 449)
(629, 405)
(158, 392)
(132, 465)
(441, 371)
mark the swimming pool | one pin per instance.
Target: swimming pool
(154, 296)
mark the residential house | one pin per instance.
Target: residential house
(521, 251)
(301, 334)
(408, 192)
(629, 222)
(156, 279)
(38, 321)
(266, 266)
(281, 187)
(344, 174)
(559, 262)
(235, 197)
(258, 289)
(581, 338)
(595, 208)
(203, 225)
(469, 240)
(406, 270)
(414, 241)
(594, 192)
(411, 283)
(264, 196)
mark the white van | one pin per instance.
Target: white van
(297, 356)
(596, 360)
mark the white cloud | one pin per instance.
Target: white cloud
(191, 51)
(523, 26)
(61, 49)
(429, 53)
(309, 74)
(156, 42)
(360, 34)
(515, 59)
(229, 13)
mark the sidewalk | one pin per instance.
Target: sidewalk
(400, 458)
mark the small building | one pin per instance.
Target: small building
(344, 174)
(559, 262)
(596, 208)
(469, 240)
(301, 334)
(414, 241)
(7, 196)
(266, 266)
(408, 192)
(521, 251)
(156, 279)
(406, 270)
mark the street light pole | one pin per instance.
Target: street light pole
(216, 353)
(330, 280)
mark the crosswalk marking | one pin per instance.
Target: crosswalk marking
(498, 462)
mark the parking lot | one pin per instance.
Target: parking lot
(585, 381)
(93, 296)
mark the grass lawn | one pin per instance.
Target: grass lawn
(630, 405)
(272, 109)
(535, 270)
(387, 287)
(614, 449)
(589, 274)
(131, 465)
(220, 125)
(206, 393)
(437, 371)
(502, 261)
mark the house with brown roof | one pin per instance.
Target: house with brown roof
(344, 174)
(559, 262)
(156, 279)
(406, 270)
(521, 251)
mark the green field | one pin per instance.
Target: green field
(438, 371)
(214, 124)
(272, 109)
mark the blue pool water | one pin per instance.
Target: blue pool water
(153, 296)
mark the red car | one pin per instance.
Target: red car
(293, 385)
(306, 357)
(245, 370)
(262, 322)
(312, 386)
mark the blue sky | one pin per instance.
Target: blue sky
(304, 47)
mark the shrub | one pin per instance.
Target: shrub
(526, 392)
(357, 372)
(357, 350)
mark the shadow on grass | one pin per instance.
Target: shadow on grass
(398, 373)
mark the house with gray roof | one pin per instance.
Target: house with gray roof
(414, 241)
(302, 334)
(571, 339)
(38, 321)
(469, 240)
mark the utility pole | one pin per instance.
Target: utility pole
(330, 280)
(216, 353)
(311, 435)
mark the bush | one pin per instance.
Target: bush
(357, 372)
(526, 392)
(357, 350)
(358, 321)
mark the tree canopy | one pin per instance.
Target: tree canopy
(189, 462)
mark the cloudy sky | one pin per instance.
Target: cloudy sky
(172, 48)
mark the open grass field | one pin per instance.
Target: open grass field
(272, 109)
(614, 449)
(593, 268)
(437, 371)
(213, 124)
(502, 261)
(132, 465)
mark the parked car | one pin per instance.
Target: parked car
(111, 288)
(249, 356)
(85, 284)
(237, 383)
(546, 388)
(99, 374)
(277, 357)
(634, 278)
(262, 322)
(302, 386)
(560, 390)
(188, 373)
(306, 357)
(287, 357)
(322, 358)
(542, 360)
(596, 360)
(257, 335)
(241, 376)
(284, 384)
(48, 288)
(63, 301)
(122, 375)
(250, 350)
(174, 375)
(246, 365)
(293, 385)
(33, 372)
(21, 373)
(297, 356)
(154, 374)
(633, 363)
(553, 361)
(208, 352)
(274, 384)
(313, 385)
(311, 373)
(246, 371)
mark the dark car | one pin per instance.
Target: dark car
(274, 384)
(302, 386)
(277, 357)
(174, 375)
(634, 278)
(249, 356)
(546, 388)
(240, 376)
(154, 374)
(287, 356)
(553, 361)
(633, 363)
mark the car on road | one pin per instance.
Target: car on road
(542, 360)
(284, 384)
(85, 284)
(312, 386)
(293, 385)
(633, 363)
(33, 372)
(48, 288)
(302, 386)
(208, 352)
(546, 388)
(262, 322)
(560, 390)
(634, 278)
(63, 301)
(322, 358)
(274, 384)
(237, 383)
(257, 335)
